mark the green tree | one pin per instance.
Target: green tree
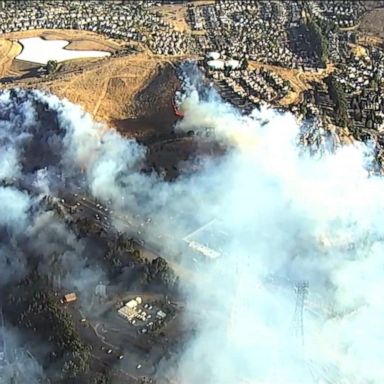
(337, 94)
(136, 255)
(319, 40)
(39, 310)
(51, 66)
(101, 378)
(158, 271)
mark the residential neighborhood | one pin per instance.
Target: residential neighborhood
(318, 40)
(126, 20)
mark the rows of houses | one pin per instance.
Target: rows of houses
(274, 32)
(263, 31)
(271, 32)
(345, 14)
(362, 79)
(127, 20)
(250, 85)
(255, 30)
(171, 42)
(360, 71)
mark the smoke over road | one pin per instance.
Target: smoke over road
(289, 218)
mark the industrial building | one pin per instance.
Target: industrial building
(146, 317)
(69, 298)
(131, 311)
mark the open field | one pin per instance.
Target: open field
(103, 88)
(8, 51)
(372, 22)
(175, 15)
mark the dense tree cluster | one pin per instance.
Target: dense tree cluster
(337, 95)
(85, 226)
(121, 249)
(100, 378)
(319, 40)
(32, 306)
(159, 272)
(51, 66)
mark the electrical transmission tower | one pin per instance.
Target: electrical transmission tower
(301, 290)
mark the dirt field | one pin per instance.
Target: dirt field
(103, 87)
(199, 3)
(8, 51)
(372, 22)
(368, 40)
(358, 50)
(175, 15)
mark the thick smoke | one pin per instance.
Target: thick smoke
(18, 365)
(288, 220)
(14, 208)
(33, 166)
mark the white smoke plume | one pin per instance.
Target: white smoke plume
(9, 163)
(17, 364)
(288, 218)
(33, 161)
(13, 209)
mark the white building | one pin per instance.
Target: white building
(232, 64)
(216, 64)
(213, 55)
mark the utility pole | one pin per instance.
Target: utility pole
(3, 347)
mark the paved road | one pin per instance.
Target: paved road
(135, 226)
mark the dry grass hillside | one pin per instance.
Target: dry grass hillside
(106, 90)
(104, 87)
(8, 51)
